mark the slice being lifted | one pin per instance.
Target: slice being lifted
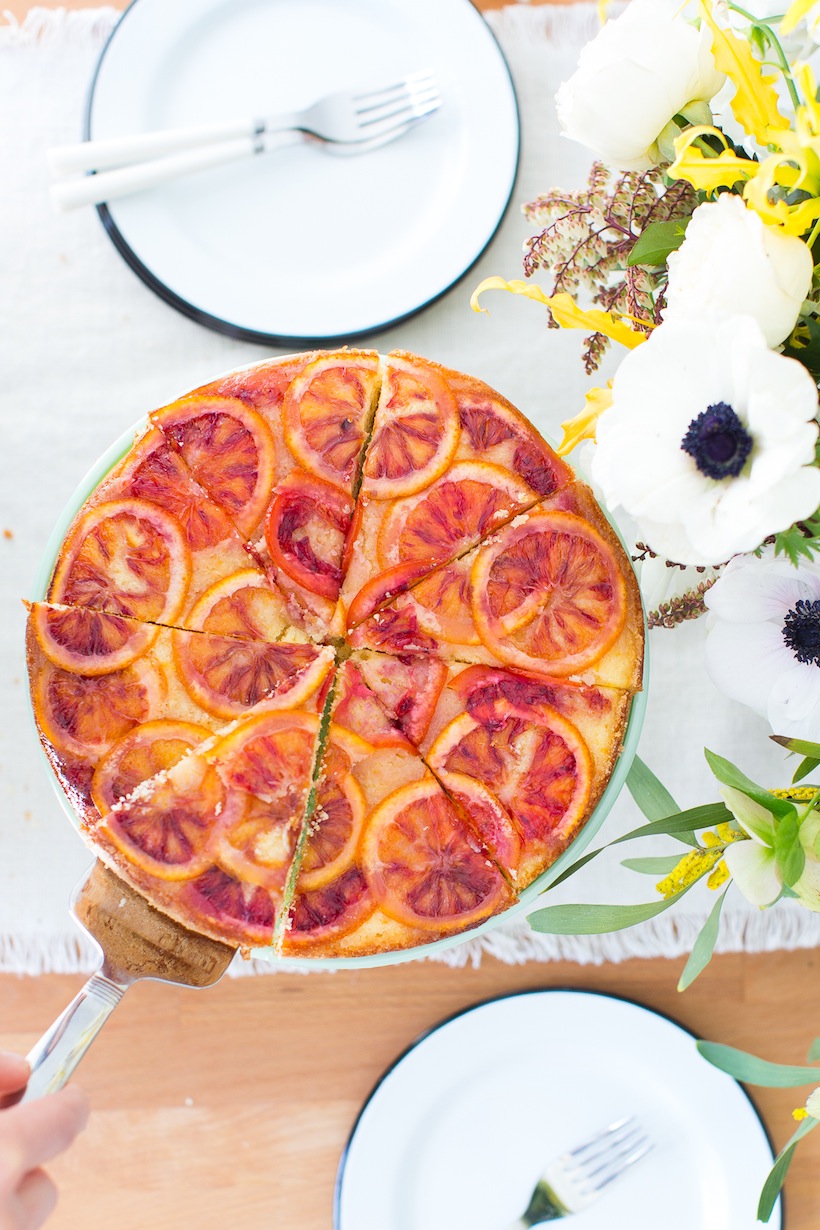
(388, 861)
(549, 593)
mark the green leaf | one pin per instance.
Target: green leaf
(656, 241)
(803, 746)
(805, 348)
(730, 775)
(788, 852)
(777, 1174)
(594, 919)
(704, 945)
(754, 1071)
(649, 793)
(814, 1050)
(652, 866)
(805, 767)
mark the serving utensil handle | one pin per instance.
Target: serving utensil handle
(54, 1058)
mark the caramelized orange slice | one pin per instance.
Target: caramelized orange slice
(128, 557)
(228, 675)
(443, 605)
(89, 642)
(416, 432)
(163, 479)
(463, 507)
(336, 826)
(423, 866)
(407, 689)
(242, 604)
(229, 449)
(357, 708)
(326, 414)
(306, 531)
(85, 714)
(548, 594)
(232, 909)
(169, 832)
(147, 749)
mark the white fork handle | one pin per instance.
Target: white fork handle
(140, 146)
(54, 1058)
(111, 185)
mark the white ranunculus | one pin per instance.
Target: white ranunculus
(709, 441)
(641, 70)
(763, 643)
(752, 863)
(731, 263)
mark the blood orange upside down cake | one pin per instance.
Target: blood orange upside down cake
(338, 659)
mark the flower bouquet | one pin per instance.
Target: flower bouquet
(694, 248)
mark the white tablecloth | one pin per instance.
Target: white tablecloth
(86, 349)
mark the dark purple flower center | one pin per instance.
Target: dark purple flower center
(801, 630)
(718, 442)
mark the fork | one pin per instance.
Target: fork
(578, 1177)
(344, 122)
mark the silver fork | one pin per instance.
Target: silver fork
(344, 122)
(578, 1177)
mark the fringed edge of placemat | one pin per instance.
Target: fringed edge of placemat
(42, 24)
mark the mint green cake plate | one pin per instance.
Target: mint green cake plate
(528, 897)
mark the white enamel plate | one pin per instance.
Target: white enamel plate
(297, 246)
(456, 1134)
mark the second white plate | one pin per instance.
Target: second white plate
(298, 247)
(458, 1131)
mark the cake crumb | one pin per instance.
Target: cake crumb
(189, 1101)
(7, 534)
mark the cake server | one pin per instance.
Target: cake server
(135, 941)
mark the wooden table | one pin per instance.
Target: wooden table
(231, 1106)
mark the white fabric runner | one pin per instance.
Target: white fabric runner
(86, 349)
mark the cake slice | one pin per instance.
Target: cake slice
(115, 700)
(551, 593)
(279, 446)
(449, 461)
(387, 860)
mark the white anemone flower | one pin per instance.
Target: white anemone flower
(642, 69)
(752, 863)
(761, 271)
(813, 1104)
(763, 645)
(709, 441)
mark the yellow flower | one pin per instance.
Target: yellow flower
(582, 427)
(689, 869)
(566, 313)
(795, 13)
(719, 876)
(797, 794)
(799, 1113)
(755, 99)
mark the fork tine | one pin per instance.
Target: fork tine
(607, 1131)
(606, 1148)
(628, 1161)
(410, 111)
(414, 81)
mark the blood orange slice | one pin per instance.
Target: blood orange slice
(336, 826)
(328, 913)
(463, 507)
(407, 688)
(548, 594)
(156, 473)
(231, 909)
(148, 749)
(442, 604)
(415, 434)
(243, 604)
(128, 557)
(89, 642)
(168, 832)
(229, 675)
(229, 449)
(423, 866)
(85, 714)
(326, 414)
(357, 708)
(535, 763)
(306, 531)
(490, 820)
(270, 756)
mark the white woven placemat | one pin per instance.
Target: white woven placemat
(86, 349)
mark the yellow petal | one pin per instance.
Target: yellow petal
(794, 14)
(755, 99)
(582, 427)
(603, 6)
(705, 172)
(566, 312)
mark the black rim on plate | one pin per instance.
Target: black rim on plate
(260, 337)
(493, 999)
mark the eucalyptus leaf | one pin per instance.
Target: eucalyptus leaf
(660, 866)
(789, 854)
(754, 1071)
(814, 1050)
(777, 1174)
(805, 767)
(730, 775)
(656, 241)
(703, 946)
(649, 792)
(594, 919)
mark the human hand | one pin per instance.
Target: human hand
(30, 1135)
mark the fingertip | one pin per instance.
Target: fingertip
(77, 1101)
(14, 1072)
